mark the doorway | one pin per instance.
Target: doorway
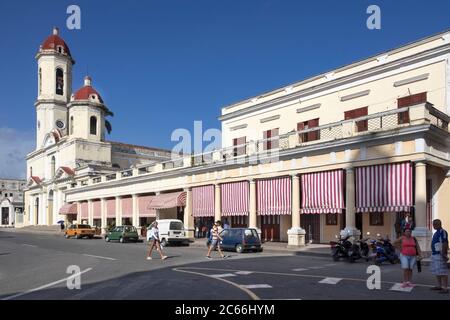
(270, 228)
(311, 224)
(5, 216)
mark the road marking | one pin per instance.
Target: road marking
(244, 273)
(251, 294)
(299, 269)
(47, 285)
(29, 245)
(398, 287)
(330, 280)
(100, 257)
(257, 286)
(224, 275)
(302, 275)
(284, 299)
(314, 268)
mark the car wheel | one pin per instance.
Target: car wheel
(239, 248)
(121, 240)
(107, 239)
(164, 242)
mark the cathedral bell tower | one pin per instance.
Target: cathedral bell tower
(54, 89)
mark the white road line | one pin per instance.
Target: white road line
(47, 285)
(29, 245)
(244, 273)
(299, 269)
(398, 287)
(330, 280)
(284, 299)
(256, 286)
(100, 257)
(224, 275)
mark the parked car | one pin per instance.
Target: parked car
(240, 240)
(171, 231)
(79, 231)
(122, 234)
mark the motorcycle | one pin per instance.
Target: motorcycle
(364, 249)
(344, 248)
(383, 250)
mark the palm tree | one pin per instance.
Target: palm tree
(107, 123)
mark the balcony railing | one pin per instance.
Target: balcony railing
(271, 147)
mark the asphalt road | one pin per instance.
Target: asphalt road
(34, 266)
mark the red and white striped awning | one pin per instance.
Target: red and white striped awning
(97, 208)
(167, 200)
(111, 208)
(274, 196)
(384, 188)
(69, 208)
(127, 207)
(235, 198)
(323, 192)
(203, 201)
(144, 210)
(84, 214)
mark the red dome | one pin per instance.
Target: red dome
(54, 41)
(87, 92)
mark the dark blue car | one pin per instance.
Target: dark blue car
(240, 240)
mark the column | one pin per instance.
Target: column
(350, 211)
(296, 235)
(421, 232)
(135, 211)
(118, 212)
(103, 210)
(79, 220)
(90, 213)
(188, 218)
(252, 218)
(217, 206)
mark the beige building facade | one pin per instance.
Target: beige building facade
(349, 151)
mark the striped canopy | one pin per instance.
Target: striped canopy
(274, 196)
(235, 198)
(203, 201)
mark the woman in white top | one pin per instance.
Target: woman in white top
(154, 242)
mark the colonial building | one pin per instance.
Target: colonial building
(11, 201)
(347, 151)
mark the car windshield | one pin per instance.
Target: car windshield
(250, 233)
(84, 226)
(130, 229)
(176, 225)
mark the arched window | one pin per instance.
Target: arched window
(52, 167)
(59, 81)
(40, 81)
(94, 125)
(71, 125)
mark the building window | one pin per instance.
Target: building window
(403, 117)
(311, 135)
(31, 171)
(362, 125)
(10, 194)
(52, 169)
(376, 218)
(71, 125)
(94, 125)
(271, 139)
(331, 219)
(240, 148)
(59, 81)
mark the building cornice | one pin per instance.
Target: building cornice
(421, 56)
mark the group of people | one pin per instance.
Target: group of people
(410, 255)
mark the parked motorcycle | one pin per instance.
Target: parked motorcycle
(364, 248)
(344, 248)
(383, 250)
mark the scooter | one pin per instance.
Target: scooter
(384, 251)
(343, 248)
(364, 249)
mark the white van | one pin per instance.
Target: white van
(171, 231)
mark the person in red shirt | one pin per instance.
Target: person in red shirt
(409, 254)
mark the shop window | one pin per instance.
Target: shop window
(331, 219)
(376, 218)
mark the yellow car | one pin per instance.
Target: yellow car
(79, 231)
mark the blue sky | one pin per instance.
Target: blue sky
(161, 65)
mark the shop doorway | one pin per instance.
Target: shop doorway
(311, 224)
(270, 228)
(5, 216)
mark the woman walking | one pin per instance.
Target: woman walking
(409, 254)
(155, 242)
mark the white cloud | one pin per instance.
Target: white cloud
(14, 146)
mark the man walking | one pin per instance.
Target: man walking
(215, 238)
(439, 257)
